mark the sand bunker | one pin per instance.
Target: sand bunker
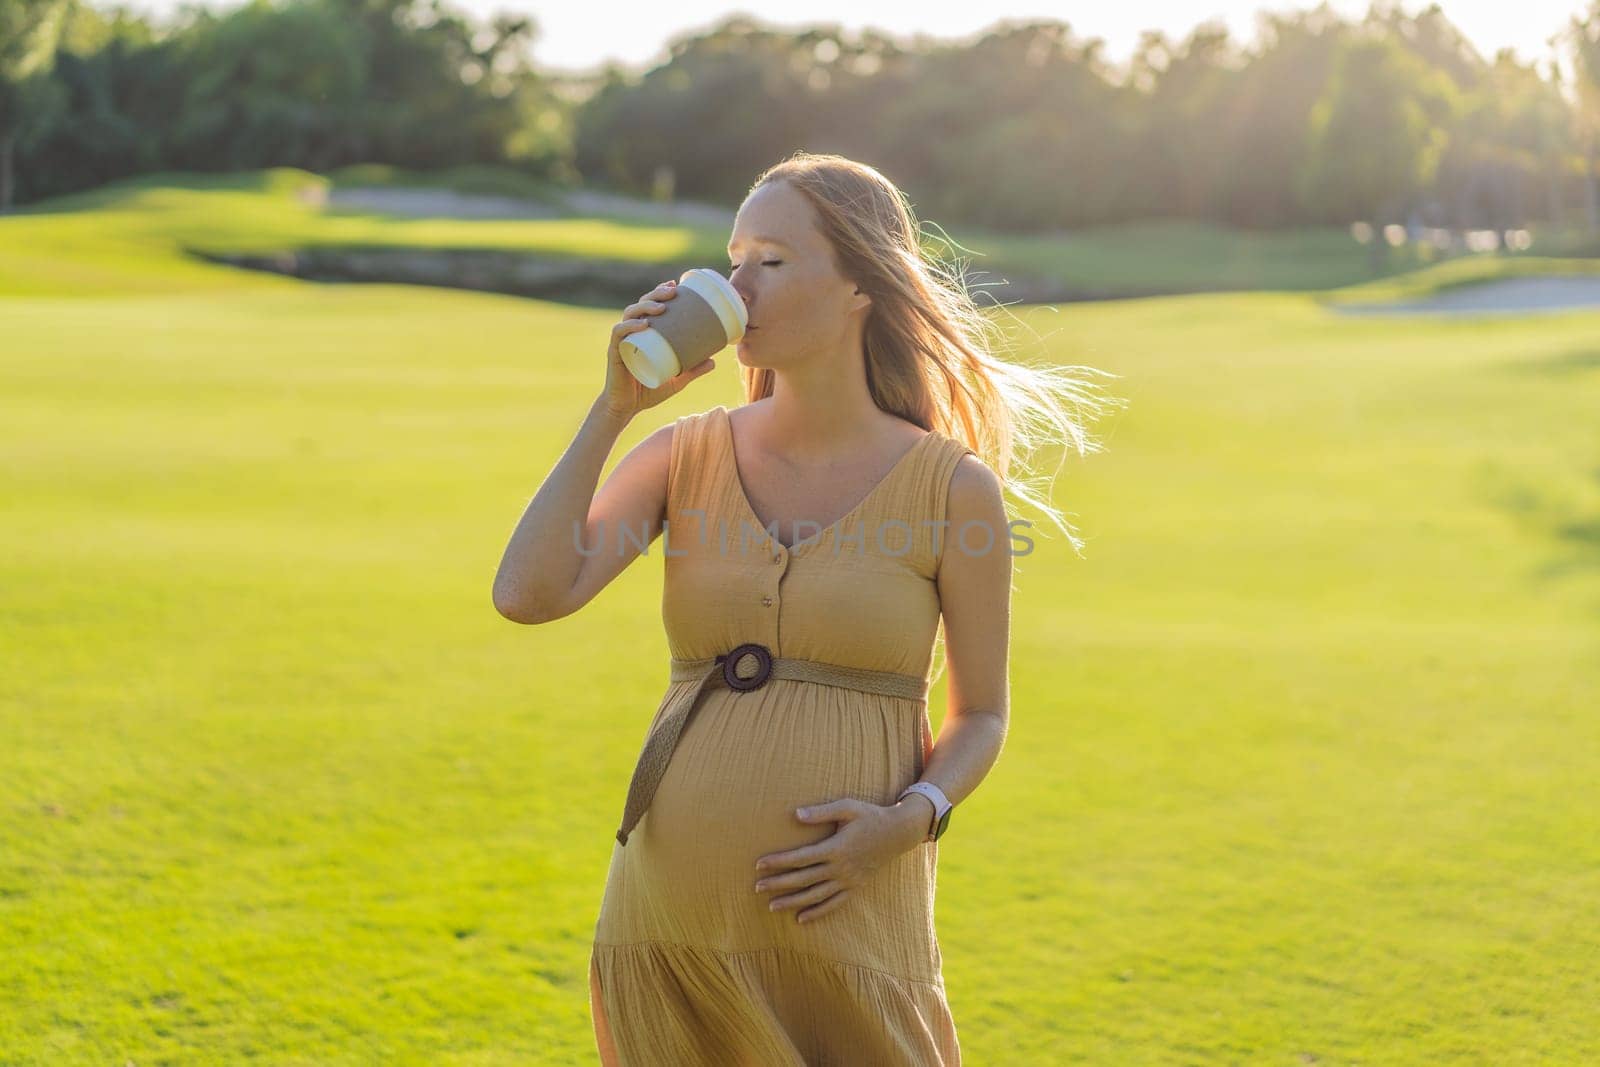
(1507, 296)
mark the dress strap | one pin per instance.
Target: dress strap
(693, 468)
(945, 460)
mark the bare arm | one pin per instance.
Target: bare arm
(975, 599)
(543, 575)
(571, 542)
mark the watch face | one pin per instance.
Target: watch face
(944, 821)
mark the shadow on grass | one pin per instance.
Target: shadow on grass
(1564, 364)
(1564, 511)
(580, 281)
(1568, 517)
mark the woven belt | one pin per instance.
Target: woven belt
(749, 666)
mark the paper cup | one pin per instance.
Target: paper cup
(706, 315)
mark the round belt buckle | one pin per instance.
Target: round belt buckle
(744, 685)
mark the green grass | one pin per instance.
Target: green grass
(130, 237)
(1302, 752)
(107, 240)
(1172, 255)
(480, 179)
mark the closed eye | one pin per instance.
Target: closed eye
(764, 263)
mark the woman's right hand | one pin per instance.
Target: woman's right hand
(625, 395)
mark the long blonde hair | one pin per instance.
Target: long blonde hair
(930, 357)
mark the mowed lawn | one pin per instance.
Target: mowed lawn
(119, 239)
(1303, 750)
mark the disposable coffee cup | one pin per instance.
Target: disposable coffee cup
(706, 315)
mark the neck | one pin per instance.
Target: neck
(822, 412)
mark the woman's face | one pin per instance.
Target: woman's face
(800, 306)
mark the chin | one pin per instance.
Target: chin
(747, 358)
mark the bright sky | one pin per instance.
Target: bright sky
(580, 36)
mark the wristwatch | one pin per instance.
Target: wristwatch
(941, 806)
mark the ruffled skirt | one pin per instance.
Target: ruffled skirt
(690, 967)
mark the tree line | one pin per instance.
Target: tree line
(1394, 117)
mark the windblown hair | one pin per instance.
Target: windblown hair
(929, 347)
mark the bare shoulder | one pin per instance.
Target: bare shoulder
(637, 487)
(739, 414)
(658, 443)
(975, 488)
(976, 511)
(652, 456)
(656, 447)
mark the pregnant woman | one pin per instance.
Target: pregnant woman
(770, 896)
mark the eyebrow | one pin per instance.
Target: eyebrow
(765, 239)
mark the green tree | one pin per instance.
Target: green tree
(1181, 163)
(120, 87)
(1582, 38)
(1021, 130)
(770, 91)
(1375, 136)
(1506, 150)
(29, 30)
(1266, 113)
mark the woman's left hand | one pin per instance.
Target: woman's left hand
(819, 876)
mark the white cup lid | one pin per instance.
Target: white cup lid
(723, 298)
(648, 357)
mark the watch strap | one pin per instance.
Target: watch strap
(941, 804)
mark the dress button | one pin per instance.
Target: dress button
(767, 601)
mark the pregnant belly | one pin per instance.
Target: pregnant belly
(746, 761)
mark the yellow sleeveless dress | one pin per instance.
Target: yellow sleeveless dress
(688, 964)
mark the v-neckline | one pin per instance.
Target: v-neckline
(828, 531)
